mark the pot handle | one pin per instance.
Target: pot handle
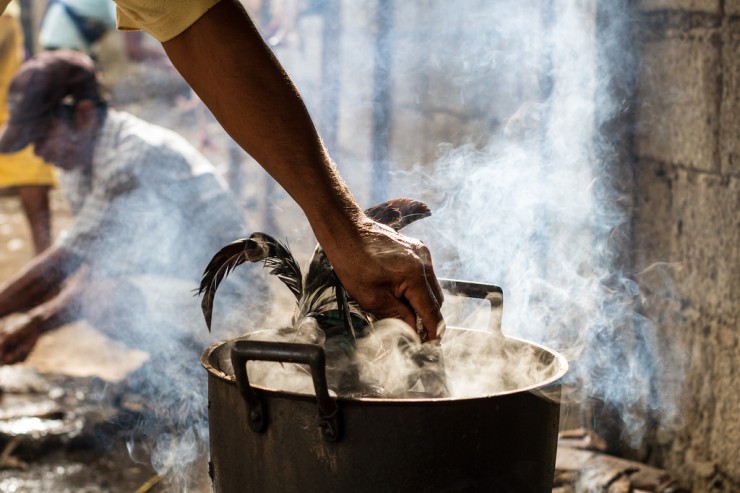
(308, 354)
(493, 294)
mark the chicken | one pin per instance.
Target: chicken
(320, 291)
(322, 304)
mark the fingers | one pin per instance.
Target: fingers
(16, 345)
(6, 349)
(426, 297)
(392, 307)
(14, 352)
(424, 303)
(420, 295)
(429, 275)
(392, 276)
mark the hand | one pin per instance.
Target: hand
(391, 275)
(17, 339)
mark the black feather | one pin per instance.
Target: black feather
(257, 247)
(226, 260)
(279, 260)
(398, 213)
(343, 305)
(319, 277)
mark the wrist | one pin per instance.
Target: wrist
(340, 229)
(335, 217)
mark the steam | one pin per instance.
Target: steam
(147, 258)
(474, 363)
(534, 209)
(171, 434)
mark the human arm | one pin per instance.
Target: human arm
(38, 292)
(38, 279)
(226, 62)
(137, 50)
(35, 203)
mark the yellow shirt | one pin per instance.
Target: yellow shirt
(11, 57)
(22, 167)
(163, 19)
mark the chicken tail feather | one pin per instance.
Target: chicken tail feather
(258, 247)
(226, 260)
(398, 213)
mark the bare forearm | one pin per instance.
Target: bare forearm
(42, 276)
(224, 59)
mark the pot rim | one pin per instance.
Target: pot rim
(539, 387)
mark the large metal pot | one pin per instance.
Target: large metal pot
(269, 440)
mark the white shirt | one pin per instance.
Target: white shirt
(150, 204)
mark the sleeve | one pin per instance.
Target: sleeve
(163, 19)
(4, 5)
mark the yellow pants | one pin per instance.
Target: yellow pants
(22, 167)
(25, 168)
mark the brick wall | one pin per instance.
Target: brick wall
(688, 215)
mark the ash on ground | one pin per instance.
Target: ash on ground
(68, 434)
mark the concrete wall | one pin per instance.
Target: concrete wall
(688, 215)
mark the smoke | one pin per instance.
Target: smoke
(156, 215)
(535, 208)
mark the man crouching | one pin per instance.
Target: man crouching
(148, 211)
